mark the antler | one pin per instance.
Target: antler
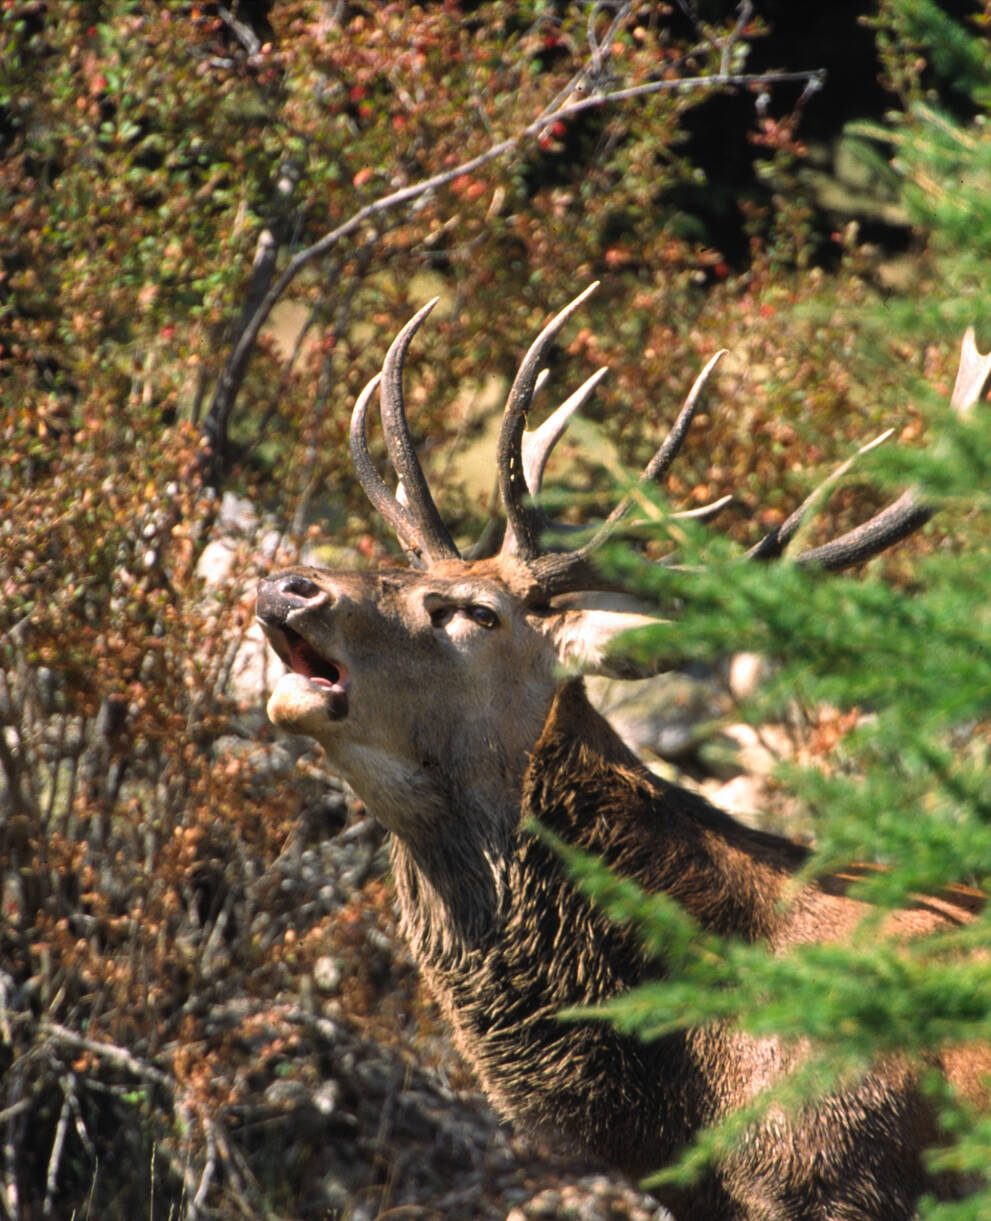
(521, 458)
(523, 522)
(972, 374)
(897, 520)
(420, 525)
(537, 445)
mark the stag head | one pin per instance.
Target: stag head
(428, 686)
(416, 681)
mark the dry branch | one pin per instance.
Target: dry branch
(568, 103)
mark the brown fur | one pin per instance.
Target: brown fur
(636, 1105)
(505, 941)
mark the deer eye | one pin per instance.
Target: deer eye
(484, 616)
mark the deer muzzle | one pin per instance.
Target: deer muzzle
(317, 684)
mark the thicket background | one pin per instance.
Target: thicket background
(202, 1010)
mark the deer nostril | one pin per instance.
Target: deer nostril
(301, 586)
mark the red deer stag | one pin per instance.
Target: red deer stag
(436, 692)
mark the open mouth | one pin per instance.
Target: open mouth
(322, 672)
(303, 658)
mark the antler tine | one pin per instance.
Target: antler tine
(907, 514)
(386, 504)
(522, 524)
(432, 534)
(538, 445)
(567, 572)
(972, 372)
(704, 513)
(660, 464)
(562, 573)
(774, 543)
(900, 519)
(536, 448)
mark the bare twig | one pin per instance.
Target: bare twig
(9, 1192)
(270, 240)
(15, 1109)
(744, 13)
(55, 1158)
(209, 1169)
(243, 32)
(110, 1052)
(232, 377)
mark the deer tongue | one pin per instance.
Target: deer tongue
(304, 659)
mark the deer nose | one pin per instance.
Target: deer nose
(279, 596)
(296, 585)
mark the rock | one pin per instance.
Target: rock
(665, 716)
(327, 973)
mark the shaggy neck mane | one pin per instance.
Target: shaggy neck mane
(458, 884)
(587, 787)
(451, 888)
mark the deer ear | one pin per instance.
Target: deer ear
(587, 637)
